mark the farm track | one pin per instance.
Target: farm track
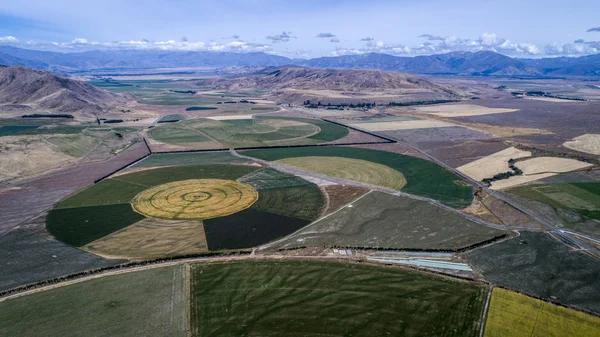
(340, 181)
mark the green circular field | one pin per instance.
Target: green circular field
(248, 132)
(363, 171)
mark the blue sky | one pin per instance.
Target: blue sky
(306, 28)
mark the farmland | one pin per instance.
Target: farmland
(583, 198)
(153, 238)
(351, 169)
(380, 220)
(258, 131)
(194, 199)
(267, 298)
(423, 178)
(28, 257)
(514, 315)
(147, 303)
(574, 203)
(539, 265)
(193, 158)
(121, 216)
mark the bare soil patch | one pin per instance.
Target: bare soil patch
(341, 195)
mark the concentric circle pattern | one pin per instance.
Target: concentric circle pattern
(195, 199)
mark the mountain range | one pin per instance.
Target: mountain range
(482, 63)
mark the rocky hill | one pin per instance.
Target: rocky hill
(26, 89)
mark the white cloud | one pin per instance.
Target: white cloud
(8, 39)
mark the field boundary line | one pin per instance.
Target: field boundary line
(188, 299)
(267, 245)
(486, 305)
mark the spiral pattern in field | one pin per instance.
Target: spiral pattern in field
(195, 199)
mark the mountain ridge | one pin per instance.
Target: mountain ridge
(481, 63)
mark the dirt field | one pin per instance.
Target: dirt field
(550, 165)
(494, 210)
(381, 220)
(588, 143)
(514, 315)
(493, 164)
(461, 110)
(339, 196)
(153, 238)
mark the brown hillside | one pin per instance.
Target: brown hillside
(25, 88)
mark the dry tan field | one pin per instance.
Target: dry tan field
(493, 164)
(550, 165)
(536, 169)
(152, 238)
(231, 117)
(518, 180)
(588, 143)
(461, 110)
(22, 156)
(195, 199)
(401, 125)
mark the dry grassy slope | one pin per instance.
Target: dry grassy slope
(48, 92)
(280, 78)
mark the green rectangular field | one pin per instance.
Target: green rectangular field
(514, 315)
(307, 298)
(583, 198)
(146, 303)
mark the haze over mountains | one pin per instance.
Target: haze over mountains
(483, 63)
(23, 89)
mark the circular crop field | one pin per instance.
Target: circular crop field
(195, 199)
(185, 210)
(352, 169)
(247, 132)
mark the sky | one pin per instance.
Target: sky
(308, 28)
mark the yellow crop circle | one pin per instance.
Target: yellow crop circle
(194, 199)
